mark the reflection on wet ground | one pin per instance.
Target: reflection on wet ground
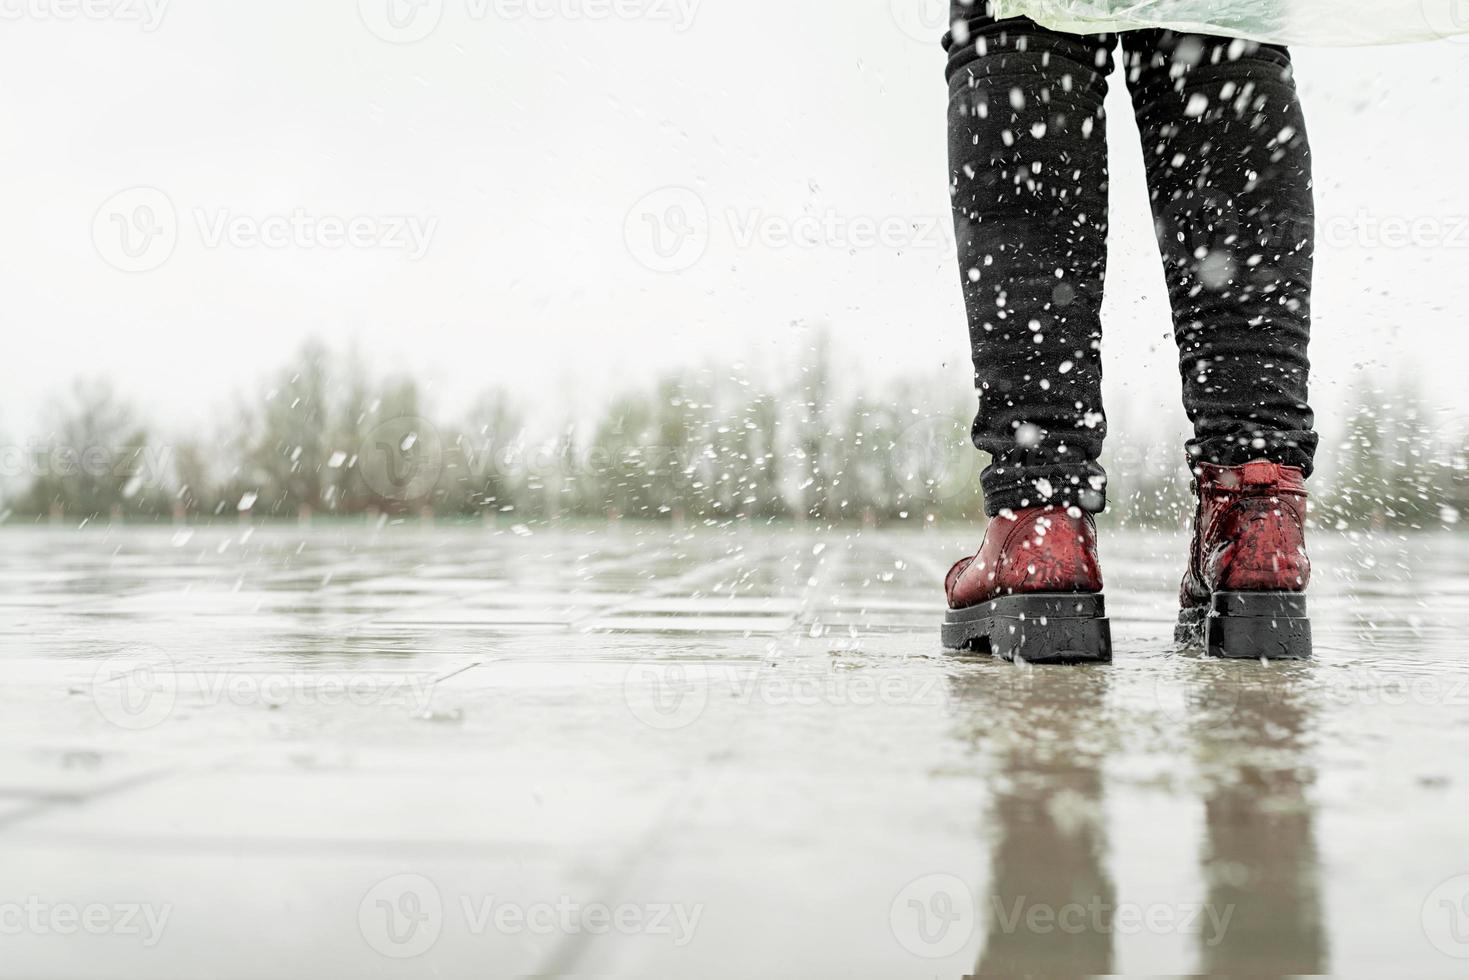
(464, 753)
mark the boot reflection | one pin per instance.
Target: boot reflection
(1046, 732)
(1260, 858)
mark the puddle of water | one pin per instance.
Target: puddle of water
(815, 771)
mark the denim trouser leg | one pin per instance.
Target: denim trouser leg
(1229, 176)
(1229, 173)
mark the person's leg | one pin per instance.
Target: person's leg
(1229, 174)
(1229, 171)
(1028, 179)
(1028, 169)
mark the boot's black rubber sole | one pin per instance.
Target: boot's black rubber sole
(1249, 626)
(1039, 628)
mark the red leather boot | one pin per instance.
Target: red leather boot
(1243, 595)
(1034, 591)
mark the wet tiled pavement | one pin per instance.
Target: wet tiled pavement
(475, 753)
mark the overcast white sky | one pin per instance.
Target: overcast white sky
(516, 139)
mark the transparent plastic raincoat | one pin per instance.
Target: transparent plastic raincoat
(1301, 22)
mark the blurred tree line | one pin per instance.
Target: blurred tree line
(328, 439)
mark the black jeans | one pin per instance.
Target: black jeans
(1229, 172)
